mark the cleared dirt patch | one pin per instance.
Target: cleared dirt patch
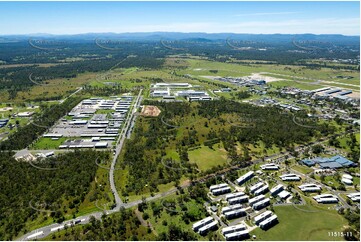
(150, 111)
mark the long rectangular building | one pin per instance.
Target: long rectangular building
(236, 200)
(239, 235)
(275, 190)
(204, 230)
(232, 229)
(268, 222)
(234, 195)
(309, 188)
(290, 177)
(261, 190)
(245, 177)
(326, 198)
(231, 208)
(261, 204)
(262, 216)
(255, 187)
(235, 213)
(256, 199)
(196, 226)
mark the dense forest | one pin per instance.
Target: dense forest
(49, 188)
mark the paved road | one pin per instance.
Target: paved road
(119, 146)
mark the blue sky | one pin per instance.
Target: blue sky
(210, 17)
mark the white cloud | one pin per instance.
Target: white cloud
(264, 14)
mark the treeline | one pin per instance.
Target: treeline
(25, 135)
(267, 124)
(44, 189)
(17, 79)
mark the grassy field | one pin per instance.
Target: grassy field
(295, 224)
(302, 169)
(47, 143)
(201, 68)
(206, 158)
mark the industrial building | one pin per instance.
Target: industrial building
(309, 188)
(256, 199)
(255, 187)
(219, 189)
(235, 228)
(211, 226)
(236, 232)
(235, 213)
(3, 122)
(334, 162)
(284, 194)
(261, 204)
(277, 189)
(270, 166)
(171, 85)
(234, 195)
(262, 217)
(355, 197)
(268, 222)
(326, 198)
(196, 226)
(245, 177)
(347, 179)
(261, 190)
(290, 177)
(231, 208)
(236, 200)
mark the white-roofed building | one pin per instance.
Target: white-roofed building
(268, 222)
(290, 177)
(270, 166)
(326, 198)
(236, 200)
(355, 197)
(261, 204)
(275, 190)
(346, 181)
(245, 177)
(235, 213)
(261, 190)
(284, 194)
(262, 216)
(256, 199)
(310, 188)
(232, 229)
(255, 187)
(239, 235)
(204, 230)
(196, 226)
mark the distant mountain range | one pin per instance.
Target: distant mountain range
(156, 36)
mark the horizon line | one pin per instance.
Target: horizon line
(165, 32)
